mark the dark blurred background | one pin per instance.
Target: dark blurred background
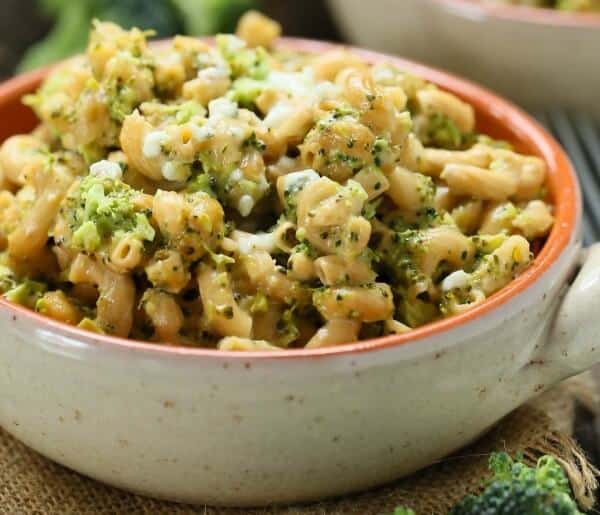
(61, 25)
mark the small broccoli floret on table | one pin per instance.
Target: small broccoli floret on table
(516, 489)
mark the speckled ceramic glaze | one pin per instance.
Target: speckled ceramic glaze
(239, 428)
(541, 58)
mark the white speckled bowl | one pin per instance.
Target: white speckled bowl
(240, 428)
(541, 58)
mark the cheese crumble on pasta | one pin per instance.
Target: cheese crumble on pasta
(247, 198)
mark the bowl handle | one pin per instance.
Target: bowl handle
(574, 341)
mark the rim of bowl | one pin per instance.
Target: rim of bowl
(566, 201)
(525, 14)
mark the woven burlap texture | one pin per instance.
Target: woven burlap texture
(31, 484)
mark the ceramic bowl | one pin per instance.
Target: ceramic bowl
(240, 428)
(541, 58)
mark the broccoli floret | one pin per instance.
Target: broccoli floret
(101, 208)
(245, 90)
(401, 510)
(202, 182)
(244, 62)
(516, 489)
(27, 293)
(440, 131)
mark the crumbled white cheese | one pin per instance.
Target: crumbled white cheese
(245, 205)
(222, 108)
(106, 170)
(278, 114)
(325, 90)
(297, 84)
(153, 143)
(236, 175)
(302, 85)
(458, 279)
(235, 44)
(248, 243)
(171, 172)
(214, 73)
(294, 179)
(382, 74)
(203, 132)
(237, 132)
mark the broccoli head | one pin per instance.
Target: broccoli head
(101, 209)
(516, 489)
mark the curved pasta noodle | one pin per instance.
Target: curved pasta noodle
(117, 294)
(221, 311)
(480, 183)
(328, 217)
(534, 220)
(127, 254)
(55, 304)
(165, 315)
(265, 276)
(134, 132)
(362, 303)
(167, 270)
(334, 270)
(28, 239)
(410, 191)
(432, 101)
(20, 156)
(435, 159)
(335, 332)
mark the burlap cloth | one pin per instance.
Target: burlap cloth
(30, 484)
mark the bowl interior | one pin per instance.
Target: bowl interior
(495, 116)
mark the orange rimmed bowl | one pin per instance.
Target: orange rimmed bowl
(241, 428)
(542, 58)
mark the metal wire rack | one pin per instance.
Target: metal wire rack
(579, 135)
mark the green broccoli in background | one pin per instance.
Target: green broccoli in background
(166, 17)
(517, 489)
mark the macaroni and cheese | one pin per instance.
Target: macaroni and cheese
(248, 198)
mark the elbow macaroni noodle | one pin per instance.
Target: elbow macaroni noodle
(243, 198)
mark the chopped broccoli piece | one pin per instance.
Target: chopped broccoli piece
(245, 90)
(186, 111)
(101, 208)
(202, 182)
(87, 237)
(440, 131)
(401, 510)
(516, 489)
(27, 293)
(244, 62)
(260, 304)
